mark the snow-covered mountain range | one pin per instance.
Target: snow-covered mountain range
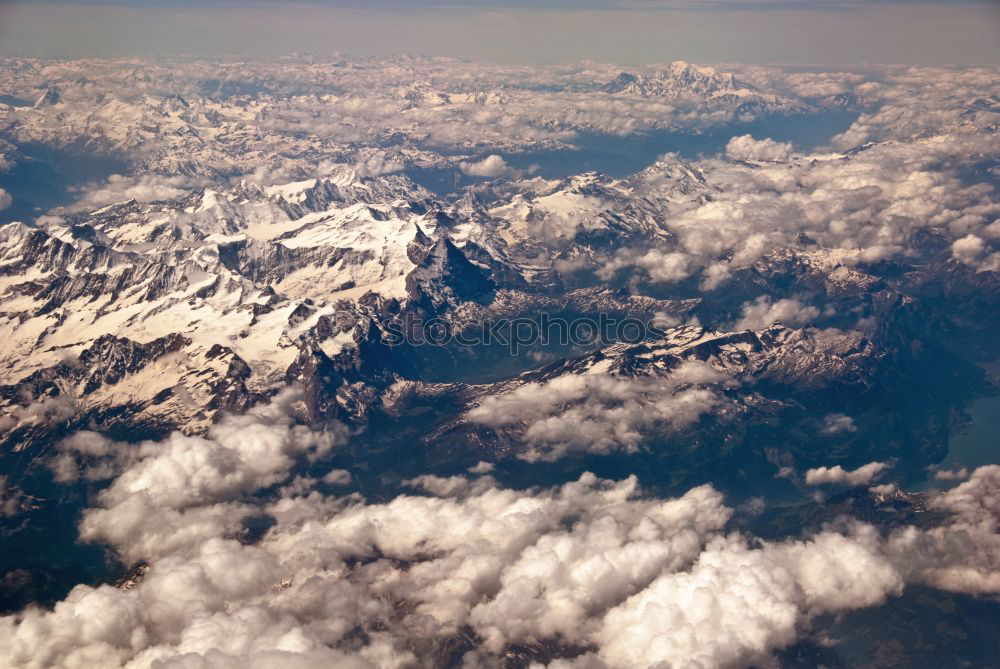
(170, 313)
(246, 308)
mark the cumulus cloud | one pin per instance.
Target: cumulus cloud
(599, 413)
(973, 251)
(490, 166)
(838, 475)
(883, 489)
(946, 93)
(376, 166)
(967, 249)
(959, 474)
(821, 84)
(515, 565)
(745, 147)
(481, 468)
(963, 554)
(5, 199)
(89, 456)
(143, 188)
(737, 604)
(832, 211)
(837, 423)
(606, 576)
(178, 488)
(762, 313)
(661, 266)
(339, 477)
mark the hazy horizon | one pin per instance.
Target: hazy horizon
(625, 31)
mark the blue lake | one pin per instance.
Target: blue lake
(47, 178)
(620, 157)
(978, 443)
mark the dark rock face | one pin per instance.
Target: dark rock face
(229, 392)
(445, 277)
(47, 99)
(320, 381)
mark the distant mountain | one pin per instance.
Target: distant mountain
(680, 78)
(684, 80)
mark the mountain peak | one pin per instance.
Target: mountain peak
(47, 99)
(679, 78)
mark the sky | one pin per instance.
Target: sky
(924, 32)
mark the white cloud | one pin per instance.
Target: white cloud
(340, 581)
(377, 166)
(598, 413)
(170, 489)
(992, 230)
(838, 475)
(883, 489)
(481, 468)
(661, 266)
(836, 423)
(513, 564)
(762, 313)
(90, 456)
(963, 554)
(745, 147)
(968, 248)
(490, 166)
(821, 84)
(959, 474)
(144, 188)
(339, 477)
(5, 199)
(866, 206)
(737, 604)
(832, 211)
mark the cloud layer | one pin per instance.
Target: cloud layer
(837, 474)
(599, 413)
(601, 574)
